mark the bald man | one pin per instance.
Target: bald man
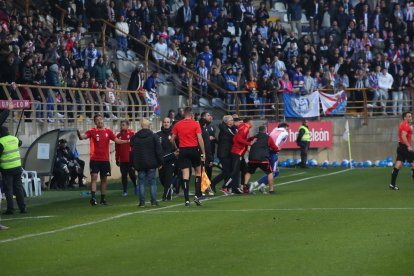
(146, 158)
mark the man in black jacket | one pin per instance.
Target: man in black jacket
(259, 157)
(211, 135)
(147, 157)
(166, 172)
(225, 142)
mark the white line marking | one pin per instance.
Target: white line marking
(294, 174)
(93, 222)
(311, 177)
(287, 210)
(38, 217)
(137, 212)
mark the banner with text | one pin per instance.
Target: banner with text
(297, 106)
(14, 104)
(320, 132)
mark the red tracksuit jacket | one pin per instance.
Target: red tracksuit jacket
(122, 152)
(241, 140)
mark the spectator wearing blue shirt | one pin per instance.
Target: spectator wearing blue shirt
(207, 56)
(231, 85)
(294, 13)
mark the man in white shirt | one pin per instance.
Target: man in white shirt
(121, 32)
(161, 51)
(385, 81)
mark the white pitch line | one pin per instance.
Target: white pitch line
(294, 174)
(92, 223)
(288, 210)
(311, 177)
(137, 212)
(23, 218)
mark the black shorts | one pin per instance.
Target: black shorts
(403, 154)
(265, 167)
(101, 167)
(189, 158)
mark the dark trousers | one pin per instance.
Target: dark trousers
(166, 175)
(80, 175)
(13, 185)
(304, 146)
(236, 161)
(225, 173)
(127, 169)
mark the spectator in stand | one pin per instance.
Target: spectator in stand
(385, 82)
(91, 55)
(121, 31)
(160, 52)
(99, 71)
(52, 79)
(295, 16)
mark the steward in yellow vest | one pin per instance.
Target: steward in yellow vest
(11, 170)
(303, 142)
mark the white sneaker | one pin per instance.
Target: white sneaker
(50, 120)
(114, 117)
(2, 227)
(262, 188)
(60, 115)
(252, 186)
(39, 121)
(210, 191)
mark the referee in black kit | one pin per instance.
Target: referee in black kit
(191, 142)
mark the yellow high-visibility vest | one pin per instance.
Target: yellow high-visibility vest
(10, 158)
(306, 136)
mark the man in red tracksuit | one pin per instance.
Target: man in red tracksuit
(241, 141)
(123, 157)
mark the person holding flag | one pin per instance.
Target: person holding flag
(191, 142)
(405, 150)
(279, 136)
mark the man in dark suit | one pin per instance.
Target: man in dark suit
(184, 16)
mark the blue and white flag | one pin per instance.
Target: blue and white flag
(152, 100)
(333, 104)
(297, 106)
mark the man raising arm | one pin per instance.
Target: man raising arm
(99, 155)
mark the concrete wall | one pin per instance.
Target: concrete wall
(372, 142)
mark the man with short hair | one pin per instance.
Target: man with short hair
(123, 157)
(385, 82)
(259, 157)
(147, 157)
(225, 143)
(191, 142)
(11, 170)
(211, 139)
(241, 141)
(303, 141)
(404, 150)
(279, 136)
(99, 155)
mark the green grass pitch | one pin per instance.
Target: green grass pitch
(320, 222)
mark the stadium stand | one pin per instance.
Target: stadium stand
(84, 52)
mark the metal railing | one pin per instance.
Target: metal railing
(191, 88)
(366, 107)
(69, 106)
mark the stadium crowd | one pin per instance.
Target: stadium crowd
(355, 44)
